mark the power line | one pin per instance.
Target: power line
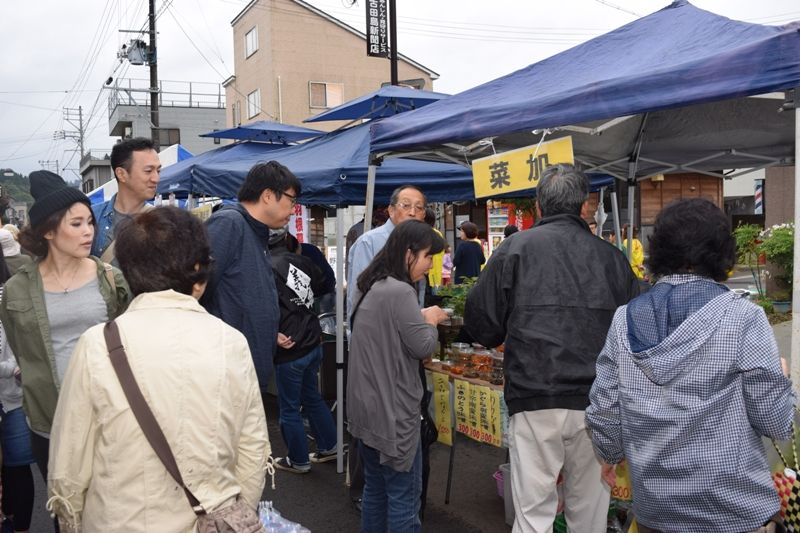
(260, 109)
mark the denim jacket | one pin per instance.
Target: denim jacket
(103, 224)
(24, 318)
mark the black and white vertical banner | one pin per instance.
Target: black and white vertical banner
(377, 28)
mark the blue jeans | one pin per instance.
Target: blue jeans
(297, 383)
(391, 499)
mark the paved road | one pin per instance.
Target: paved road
(319, 500)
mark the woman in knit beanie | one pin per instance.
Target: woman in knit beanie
(48, 304)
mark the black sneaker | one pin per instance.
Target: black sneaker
(324, 457)
(284, 463)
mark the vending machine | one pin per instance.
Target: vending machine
(499, 215)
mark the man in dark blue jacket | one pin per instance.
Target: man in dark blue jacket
(241, 290)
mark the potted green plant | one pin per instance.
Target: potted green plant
(777, 245)
(748, 253)
(455, 298)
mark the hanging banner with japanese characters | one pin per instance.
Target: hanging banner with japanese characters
(461, 394)
(377, 28)
(519, 169)
(441, 406)
(473, 415)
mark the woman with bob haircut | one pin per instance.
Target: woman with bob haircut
(197, 377)
(390, 336)
(49, 303)
(688, 383)
(469, 254)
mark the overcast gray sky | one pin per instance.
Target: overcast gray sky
(58, 54)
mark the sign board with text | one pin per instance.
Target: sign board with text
(377, 28)
(520, 169)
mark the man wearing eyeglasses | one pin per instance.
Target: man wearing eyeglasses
(241, 290)
(407, 203)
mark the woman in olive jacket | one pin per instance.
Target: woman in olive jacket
(47, 305)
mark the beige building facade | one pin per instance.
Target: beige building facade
(293, 61)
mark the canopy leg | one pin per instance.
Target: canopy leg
(340, 339)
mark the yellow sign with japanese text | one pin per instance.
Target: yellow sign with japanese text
(519, 169)
(461, 394)
(473, 415)
(441, 405)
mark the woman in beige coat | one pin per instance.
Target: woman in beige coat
(196, 375)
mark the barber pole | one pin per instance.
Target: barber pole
(758, 204)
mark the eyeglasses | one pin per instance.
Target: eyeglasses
(292, 197)
(407, 207)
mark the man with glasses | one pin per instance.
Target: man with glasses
(407, 203)
(241, 290)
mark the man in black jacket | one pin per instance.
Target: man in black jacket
(299, 355)
(550, 294)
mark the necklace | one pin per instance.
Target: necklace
(71, 280)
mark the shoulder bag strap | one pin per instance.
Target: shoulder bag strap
(150, 428)
(355, 310)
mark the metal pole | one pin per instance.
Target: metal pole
(153, 75)
(370, 196)
(80, 129)
(631, 192)
(795, 352)
(615, 211)
(339, 339)
(393, 40)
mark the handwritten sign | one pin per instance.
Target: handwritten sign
(461, 393)
(441, 405)
(520, 169)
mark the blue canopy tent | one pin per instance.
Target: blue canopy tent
(265, 131)
(180, 178)
(385, 102)
(332, 169)
(679, 90)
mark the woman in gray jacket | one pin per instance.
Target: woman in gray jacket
(390, 335)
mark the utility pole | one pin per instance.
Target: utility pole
(393, 40)
(75, 118)
(153, 75)
(48, 165)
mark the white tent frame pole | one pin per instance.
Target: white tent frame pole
(631, 193)
(795, 352)
(370, 196)
(615, 211)
(340, 339)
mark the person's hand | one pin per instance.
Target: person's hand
(434, 315)
(785, 367)
(285, 342)
(609, 474)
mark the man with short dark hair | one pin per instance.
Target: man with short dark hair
(136, 168)
(242, 290)
(550, 294)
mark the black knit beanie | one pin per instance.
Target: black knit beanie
(51, 194)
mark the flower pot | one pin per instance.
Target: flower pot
(782, 306)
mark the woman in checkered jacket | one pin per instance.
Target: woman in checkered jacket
(687, 384)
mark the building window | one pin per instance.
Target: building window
(88, 186)
(251, 42)
(169, 136)
(254, 103)
(325, 95)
